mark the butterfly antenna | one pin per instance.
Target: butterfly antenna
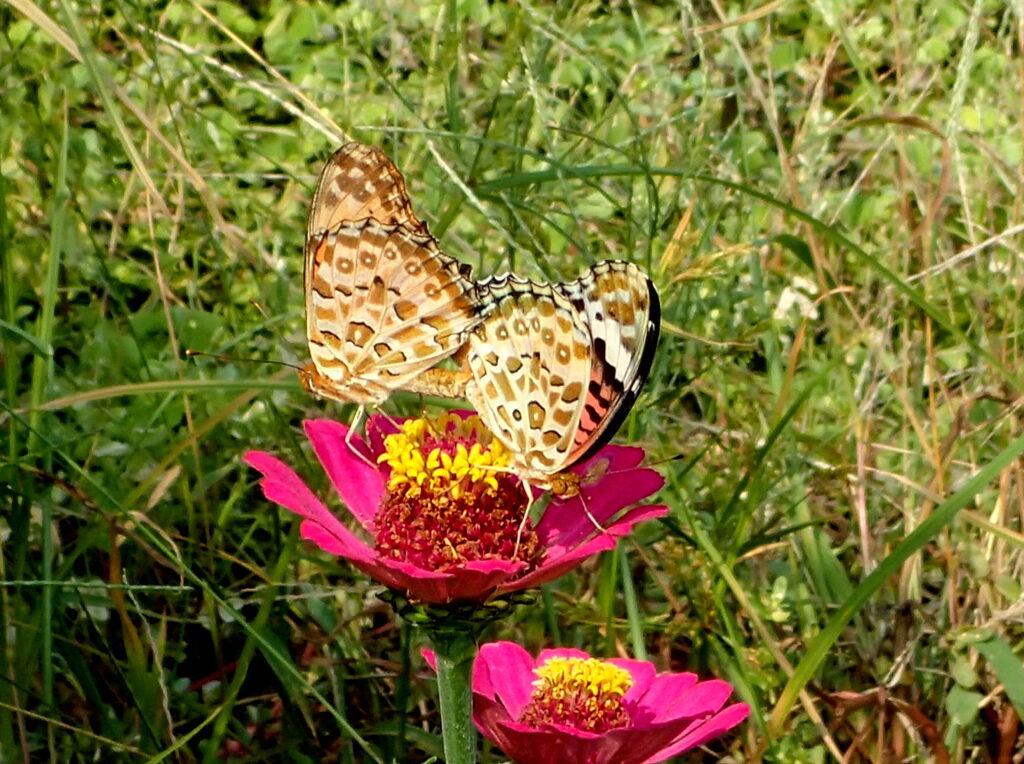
(266, 317)
(666, 460)
(601, 470)
(190, 353)
(255, 304)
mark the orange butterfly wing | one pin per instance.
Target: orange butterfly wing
(557, 367)
(383, 303)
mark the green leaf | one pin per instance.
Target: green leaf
(1007, 667)
(962, 705)
(797, 246)
(914, 541)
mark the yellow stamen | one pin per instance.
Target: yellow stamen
(590, 675)
(585, 693)
(418, 469)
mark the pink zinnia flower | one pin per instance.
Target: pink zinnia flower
(566, 706)
(441, 514)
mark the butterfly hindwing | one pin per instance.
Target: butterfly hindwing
(528, 357)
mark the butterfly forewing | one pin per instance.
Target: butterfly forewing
(359, 181)
(383, 303)
(623, 313)
(556, 368)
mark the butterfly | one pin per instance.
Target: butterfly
(383, 303)
(556, 368)
(552, 369)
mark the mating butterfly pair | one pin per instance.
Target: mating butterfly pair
(552, 369)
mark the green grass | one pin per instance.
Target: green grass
(829, 199)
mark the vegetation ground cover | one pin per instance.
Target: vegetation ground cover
(828, 196)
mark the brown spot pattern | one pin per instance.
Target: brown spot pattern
(375, 276)
(558, 366)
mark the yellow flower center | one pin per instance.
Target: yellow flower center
(451, 498)
(432, 456)
(585, 693)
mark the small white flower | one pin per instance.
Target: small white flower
(799, 295)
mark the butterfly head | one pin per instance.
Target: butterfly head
(564, 485)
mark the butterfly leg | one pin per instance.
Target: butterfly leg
(393, 422)
(353, 425)
(528, 490)
(590, 516)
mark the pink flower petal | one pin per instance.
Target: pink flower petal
(472, 581)
(503, 671)
(721, 722)
(638, 744)
(349, 466)
(560, 560)
(555, 744)
(492, 720)
(642, 673)
(332, 542)
(545, 746)
(622, 526)
(558, 652)
(611, 460)
(567, 521)
(666, 690)
(281, 485)
(383, 572)
(674, 698)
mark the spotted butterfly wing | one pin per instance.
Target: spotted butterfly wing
(357, 182)
(383, 303)
(623, 314)
(529, 359)
(557, 367)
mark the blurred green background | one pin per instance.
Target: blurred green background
(828, 196)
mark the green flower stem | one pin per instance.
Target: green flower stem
(455, 651)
